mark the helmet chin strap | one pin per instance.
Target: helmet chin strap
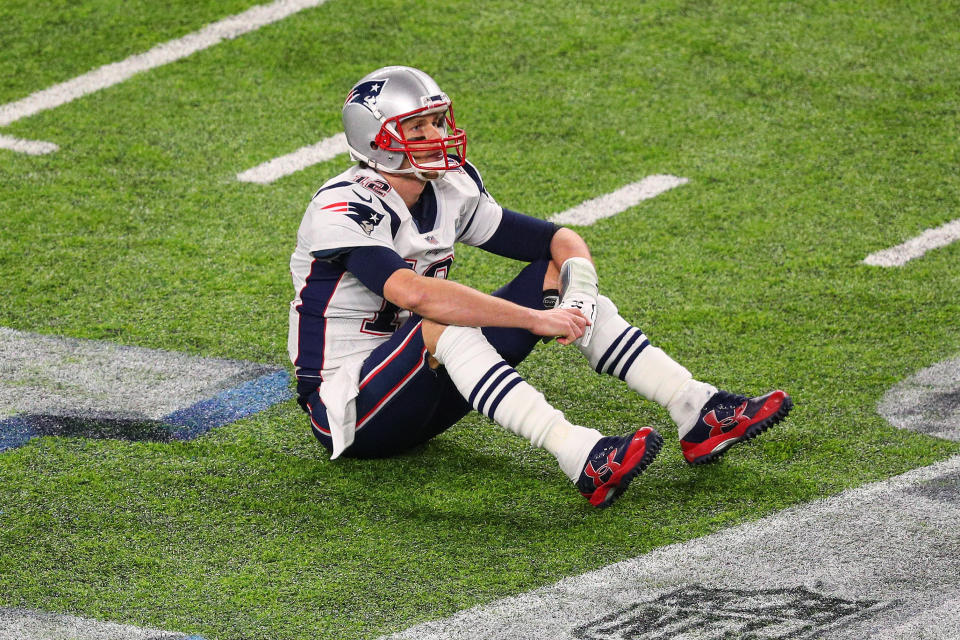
(429, 175)
(426, 174)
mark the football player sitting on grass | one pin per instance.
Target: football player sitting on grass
(389, 353)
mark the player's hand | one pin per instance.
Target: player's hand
(566, 325)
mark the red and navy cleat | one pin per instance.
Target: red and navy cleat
(727, 419)
(613, 462)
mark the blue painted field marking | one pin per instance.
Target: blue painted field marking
(15, 432)
(230, 405)
(226, 407)
(51, 385)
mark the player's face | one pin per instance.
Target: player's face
(430, 126)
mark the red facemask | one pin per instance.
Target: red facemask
(452, 146)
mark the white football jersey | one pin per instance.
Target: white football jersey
(334, 318)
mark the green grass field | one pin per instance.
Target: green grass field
(813, 134)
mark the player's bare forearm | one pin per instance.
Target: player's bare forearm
(452, 303)
(566, 244)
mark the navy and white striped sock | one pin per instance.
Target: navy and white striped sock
(621, 353)
(622, 350)
(496, 390)
(492, 387)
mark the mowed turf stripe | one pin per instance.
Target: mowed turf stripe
(114, 73)
(881, 561)
(51, 385)
(24, 624)
(916, 247)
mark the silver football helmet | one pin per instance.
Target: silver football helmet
(372, 114)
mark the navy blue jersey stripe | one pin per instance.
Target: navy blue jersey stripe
(319, 287)
(629, 362)
(315, 296)
(610, 350)
(394, 218)
(464, 231)
(424, 210)
(335, 185)
(330, 255)
(471, 171)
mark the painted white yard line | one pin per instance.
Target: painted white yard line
(869, 563)
(591, 211)
(25, 624)
(114, 73)
(915, 247)
(29, 147)
(879, 562)
(300, 159)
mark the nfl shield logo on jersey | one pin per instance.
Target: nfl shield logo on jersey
(365, 93)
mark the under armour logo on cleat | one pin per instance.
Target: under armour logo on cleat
(606, 470)
(719, 426)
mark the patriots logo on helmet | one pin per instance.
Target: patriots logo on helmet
(365, 93)
(367, 217)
